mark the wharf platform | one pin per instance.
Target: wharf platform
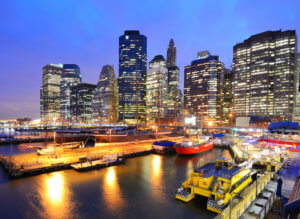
(32, 163)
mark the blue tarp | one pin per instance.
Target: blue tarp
(283, 125)
(164, 143)
(218, 135)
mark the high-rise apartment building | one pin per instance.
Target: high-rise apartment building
(157, 88)
(81, 102)
(105, 101)
(70, 76)
(132, 76)
(264, 75)
(50, 93)
(202, 87)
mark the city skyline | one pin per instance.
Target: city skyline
(78, 41)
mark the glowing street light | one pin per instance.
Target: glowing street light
(210, 123)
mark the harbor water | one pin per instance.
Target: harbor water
(143, 187)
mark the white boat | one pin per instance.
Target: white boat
(46, 151)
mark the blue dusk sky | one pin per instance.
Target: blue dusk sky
(35, 33)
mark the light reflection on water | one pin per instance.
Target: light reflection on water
(55, 196)
(111, 191)
(157, 184)
(142, 187)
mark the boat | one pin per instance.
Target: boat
(194, 145)
(289, 145)
(46, 150)
(219, 181)
(98, 163)
(54, 147)
(163, 147)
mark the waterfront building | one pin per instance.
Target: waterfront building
(157, 88)
(81, 102)
(227, 97)
(202, 87)
(70, 76)
(50, 93)
(105, 101)
(132, 76)
(264, 75)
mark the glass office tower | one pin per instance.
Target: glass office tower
(50, 93)
(82, 96)
(202, 87)
(70, 76)
(157, 88)
(132, 76)
(264, 75)
(105, 102)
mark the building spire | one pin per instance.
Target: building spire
(171, 54)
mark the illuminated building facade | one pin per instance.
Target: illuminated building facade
(297, 111)
(227, 97)
(171, 54)
(264, 75)
(132, 76)
(50, 93)
(70, 76)
(157, 88)
(105, 101)
(81, 102)
(174, 94)
(202, 87)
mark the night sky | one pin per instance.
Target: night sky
(36, 33)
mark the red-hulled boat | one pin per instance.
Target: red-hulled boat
(194, 146)
(289, 145)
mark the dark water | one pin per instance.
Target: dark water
(144, 187)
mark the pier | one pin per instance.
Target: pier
(32, 163)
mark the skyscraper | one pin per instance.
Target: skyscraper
(70, 76)
(105, 101)
(82, 96)
(227, 97)
(171, 54)
(202, 87)
(157, 88)
(174, 100)
(297, 108)
(264, 74)
(132, 76)
(50, 93)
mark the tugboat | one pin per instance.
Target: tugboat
(194, 145)
(218, 181)
(163, 147)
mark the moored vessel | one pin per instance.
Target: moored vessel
(98, 163)
(163, 147)
(218, 181)
(194, 145)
